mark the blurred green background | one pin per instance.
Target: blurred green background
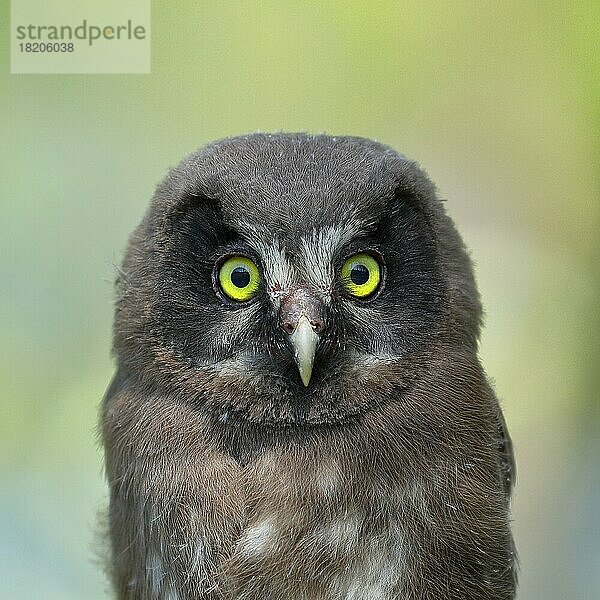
(498, 101)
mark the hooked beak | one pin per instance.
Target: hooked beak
(304, 341)
(302, 320)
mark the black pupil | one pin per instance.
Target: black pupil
(359, 274)
(240, 277)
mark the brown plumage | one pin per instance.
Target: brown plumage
(304, 441)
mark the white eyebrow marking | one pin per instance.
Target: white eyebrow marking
(318, 250)
(313, 265)
(279, 273)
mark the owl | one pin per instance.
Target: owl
(298, 410)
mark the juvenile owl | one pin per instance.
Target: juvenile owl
(299, 412)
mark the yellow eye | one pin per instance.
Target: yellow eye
(239, 278)
(361, 275)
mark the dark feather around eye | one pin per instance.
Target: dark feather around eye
(200, 218)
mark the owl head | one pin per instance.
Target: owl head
(292, 278)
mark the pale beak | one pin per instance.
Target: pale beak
(304, 340)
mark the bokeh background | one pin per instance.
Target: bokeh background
(498, 101)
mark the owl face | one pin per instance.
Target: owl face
(278, 278)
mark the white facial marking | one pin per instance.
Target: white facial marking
(317, 252)
(278, 272)
(231, 367)
(315, 265)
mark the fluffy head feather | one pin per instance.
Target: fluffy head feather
(297, 205)
(389, 474)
